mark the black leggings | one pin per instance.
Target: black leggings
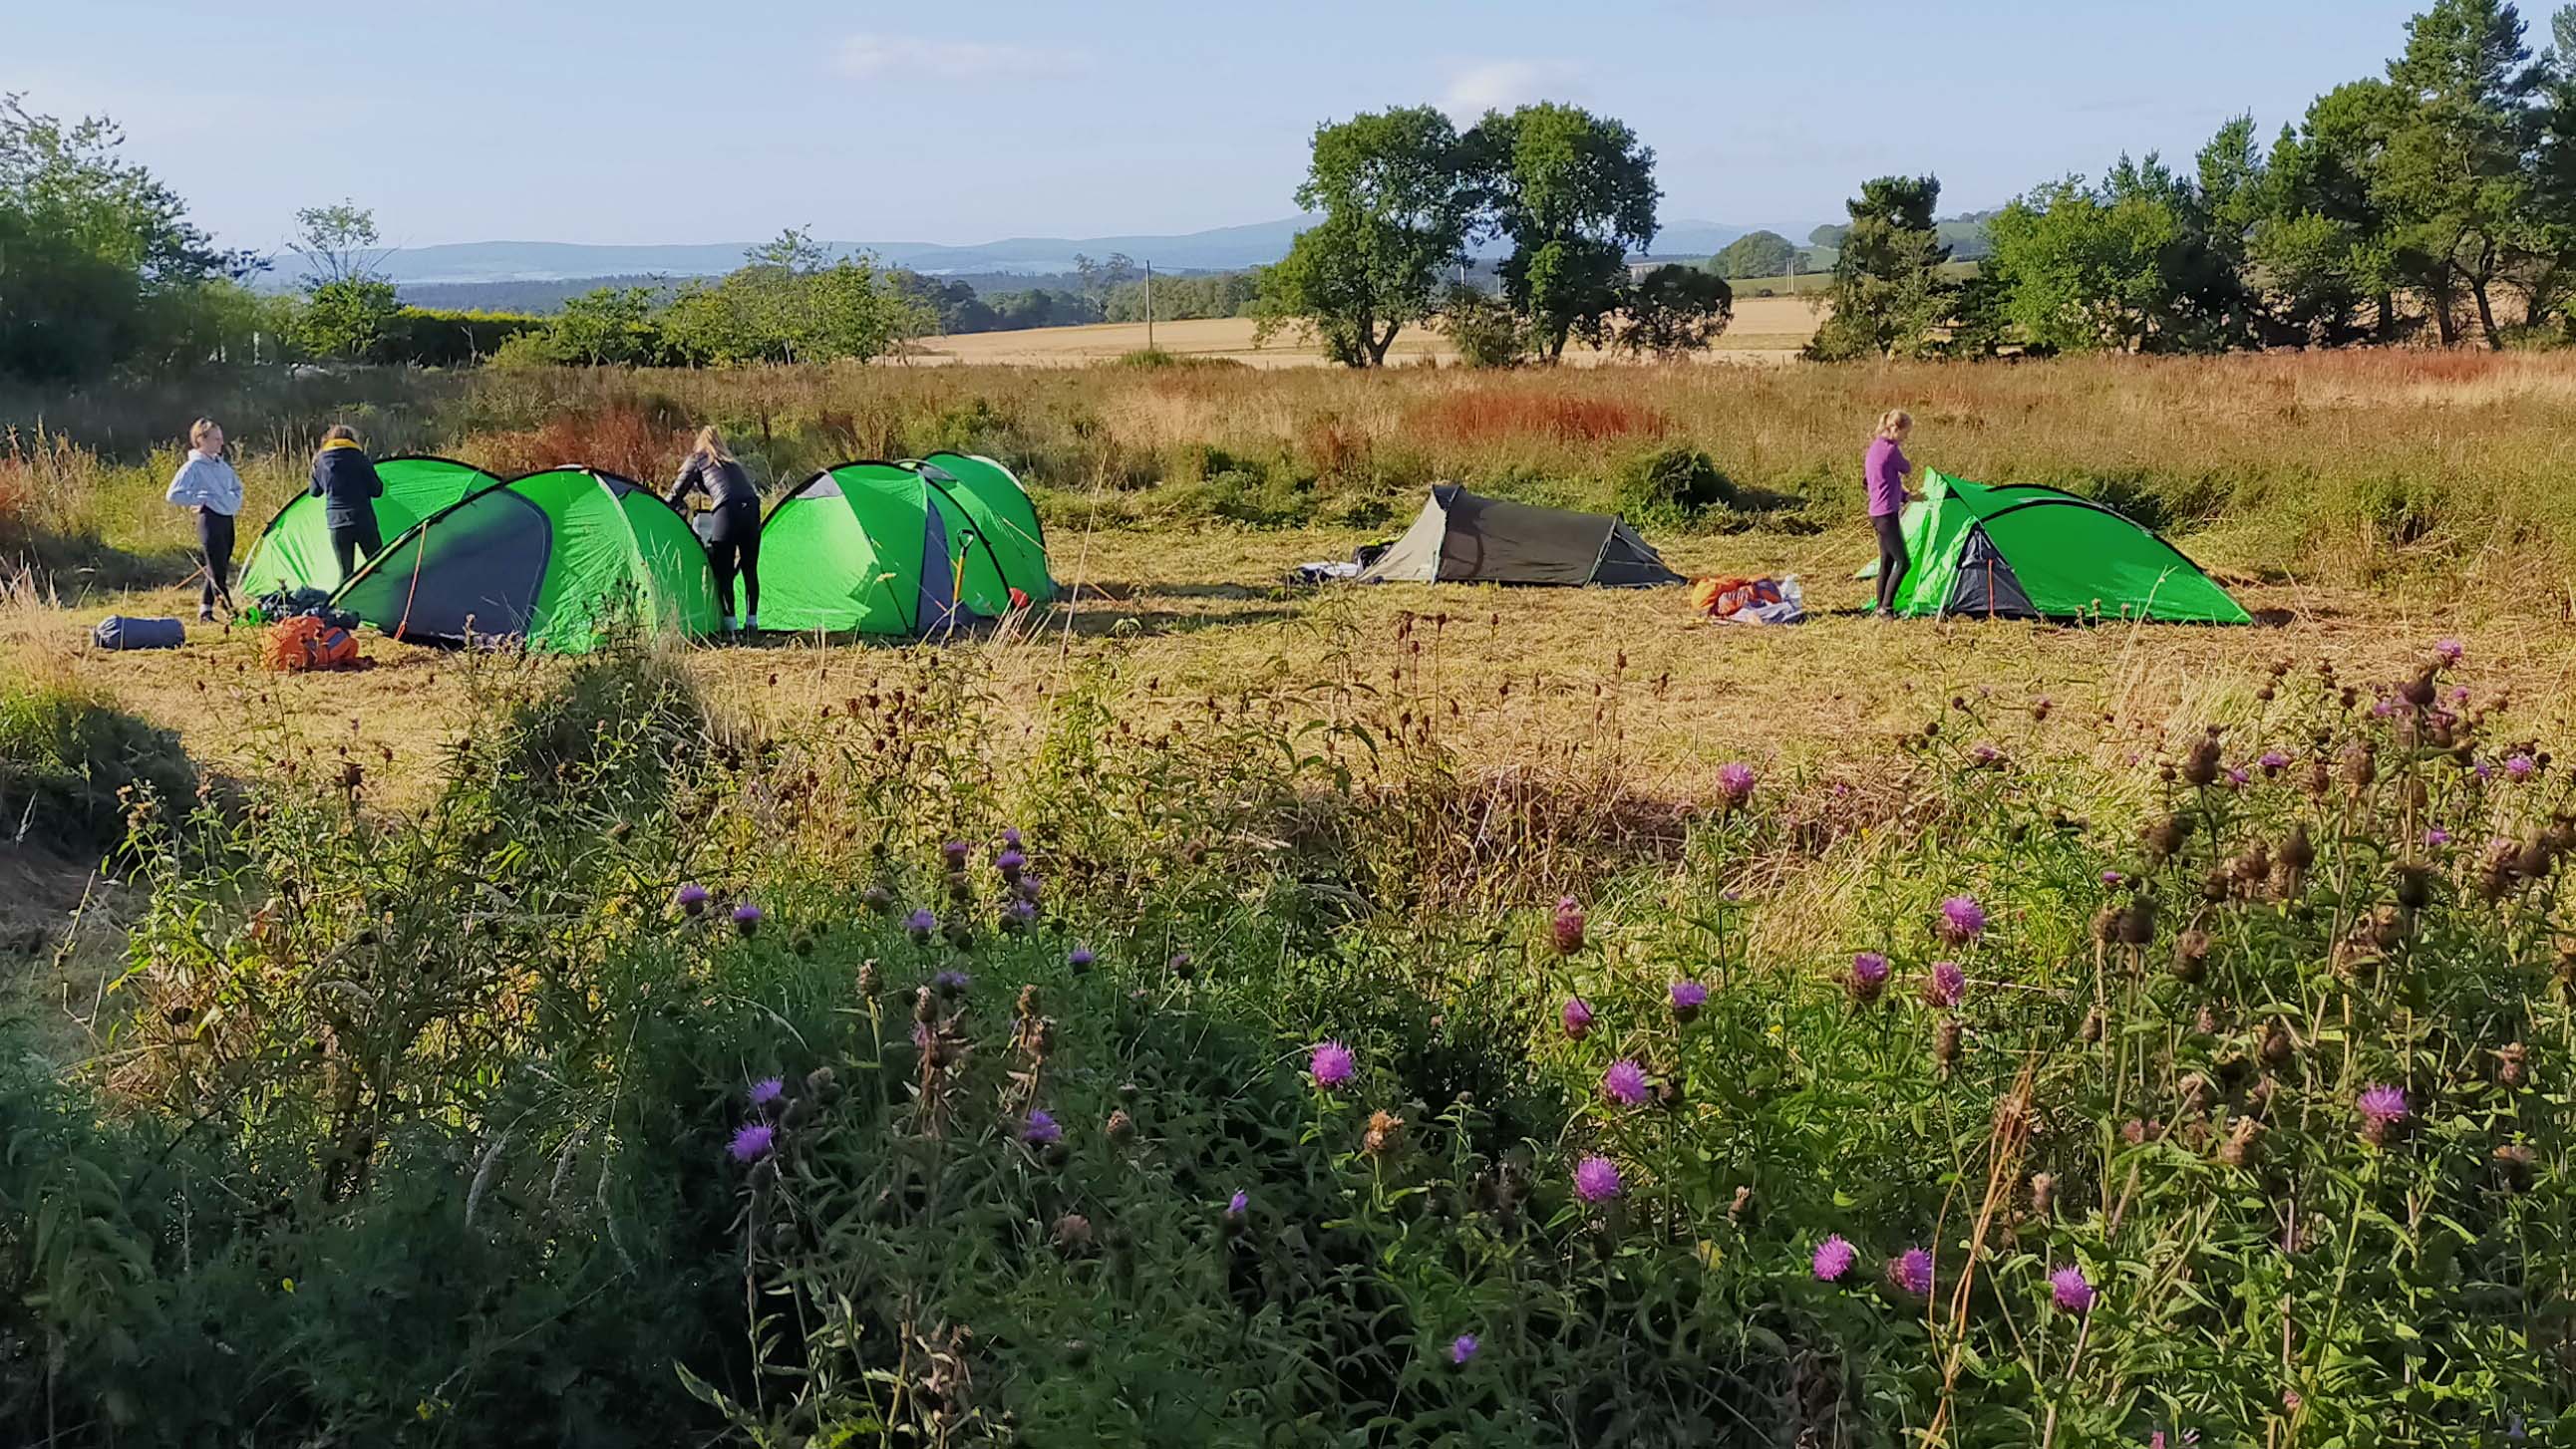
(349, 540)
(731, 533)
(1893, 560)
(215, 541)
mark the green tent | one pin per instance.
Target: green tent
(2024, 551)
(294, 551)
(901, 548)
(562, 559)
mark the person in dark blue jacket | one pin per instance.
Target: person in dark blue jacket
(344, 478)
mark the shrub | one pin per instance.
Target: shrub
(72, 766)
(1676, 483)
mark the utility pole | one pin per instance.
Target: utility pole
(1149, 304)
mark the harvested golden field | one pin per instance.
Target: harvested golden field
(1766, 330)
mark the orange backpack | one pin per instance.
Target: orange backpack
(305, 642)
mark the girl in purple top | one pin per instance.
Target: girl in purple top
(1886, 469)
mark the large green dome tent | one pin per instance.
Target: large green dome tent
(2026, 551)
(562, 558)
(904, 549)
(294, 551)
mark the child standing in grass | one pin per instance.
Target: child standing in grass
(1886, 468)
(344, 478)
(208, 487)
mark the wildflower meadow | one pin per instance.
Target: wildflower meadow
(669, 1078)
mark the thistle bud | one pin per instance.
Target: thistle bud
(2200, 767)
(2297, 853)
(1945, 1042)
(1122, 1127)
(2513, 1163)
(2277, 1044)
(2359, 768)
(2513, 1068)
(2043, 1194)
(1740, 1211)
(2091, 1031)
(2191, 953)
(1385, 1133)
(1073, 1233)
(2138, 922)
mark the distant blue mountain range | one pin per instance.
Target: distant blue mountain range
(1223, 249)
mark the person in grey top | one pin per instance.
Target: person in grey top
(730, 525)
(208, 487)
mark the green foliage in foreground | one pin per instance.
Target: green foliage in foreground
(70, 764)
(454, 1128)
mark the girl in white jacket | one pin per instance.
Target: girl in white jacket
(207, 486)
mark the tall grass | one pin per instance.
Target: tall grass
(2354, 467)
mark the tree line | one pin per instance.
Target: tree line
(2439, 196)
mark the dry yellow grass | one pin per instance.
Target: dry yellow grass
(1501, 671)
(1765, 330)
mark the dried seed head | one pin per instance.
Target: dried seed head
(2277, 1044)
(2318, 781)
(925, 1005)
(2297, 852)
(1740, 1211)
(2200, 767)
(1385, 1134)
(1945, 1041)
(2414, 885)
(2513, 1065)
(2043, 1194)
(2359, 768)
(2191, 955)
(2138, 922)
(2513, 1163)
(1073, 1233)
(2164, 838)
(2091, 1031)
(2195, 1095)
(2244, 1143)
(871, 978)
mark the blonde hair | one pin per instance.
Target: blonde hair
(711, 442)
(197, 431)
(339, 433)
(1893, 423)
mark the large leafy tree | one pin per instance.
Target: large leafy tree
(2451, 171)
(2148, 261)
(1755, 254)
(1397, 202)
(1574, 193)
(1888, 297)
(99, 266)
(2324, 248)
(1673, 310)
(348, 303)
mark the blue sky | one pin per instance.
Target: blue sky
(651, 121)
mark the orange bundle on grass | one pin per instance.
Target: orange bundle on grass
(305, 642)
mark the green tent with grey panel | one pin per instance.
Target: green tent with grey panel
(1464, 538)
(294, 551)
(907, 549)
(564, 560)
(2024, 551)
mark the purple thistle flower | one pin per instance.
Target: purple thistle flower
(2386, 706)
(1239, 1204)
(1030, 888)
(1010, 863)
(1042, 1130)
(954, 852)
(2384, 1105)
(2519, 767)
(2113, 879)
(746, 918)
(1834, 1258)
(1914, 1272)
(1868, 973)
(951, 983)
(2071, 1289)
(1596, 1179)
(1567, 927)
(1080, 958)
(1577, 1017)
(1736, 780)
(2238, 779)
(1962, 920)
(1624, 1083)
(1946, 984)
(766, 1091)
(921, 924)
(1688, 997)
(752, 1142)
(2459, 694)
(2482, 770)
(1019, 915)
(2437, 836)
(691, 898)
(1011, 838)
(2274, 762)
(1332, 1066)
(2450, 650)
(1463, 1348)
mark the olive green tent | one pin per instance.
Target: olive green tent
(2024, 551)
(908, 548)
(562, 559)
(294, 551)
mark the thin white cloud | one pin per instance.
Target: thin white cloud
(1477, 86)
(872, 55)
